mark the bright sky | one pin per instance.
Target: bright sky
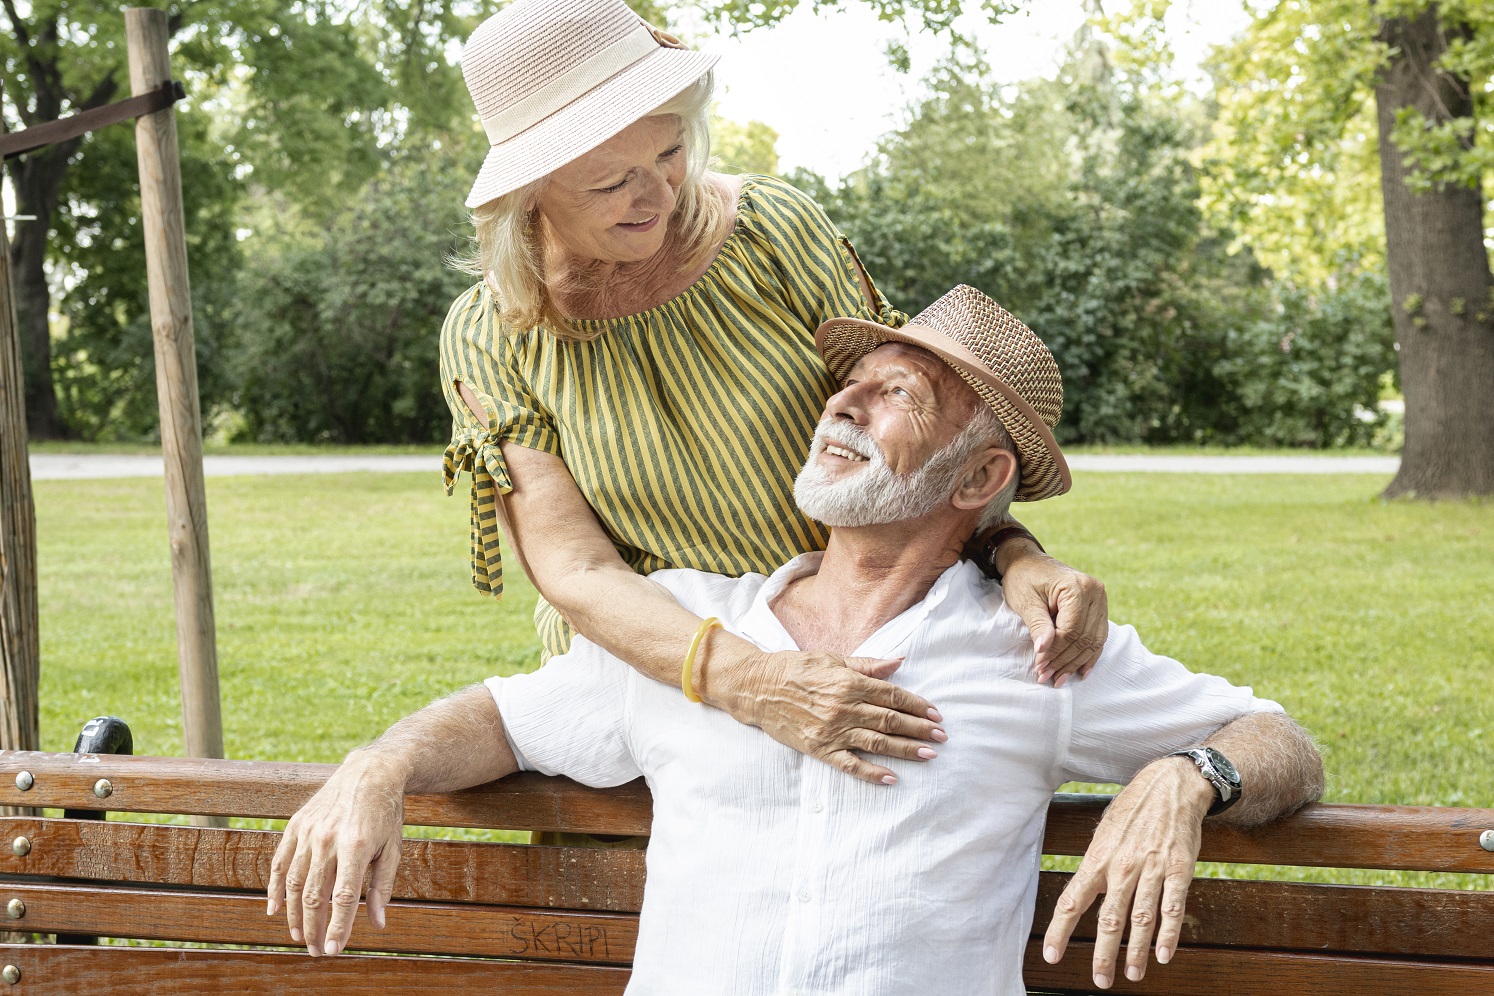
(822, 81)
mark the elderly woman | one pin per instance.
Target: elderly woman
(634, 380)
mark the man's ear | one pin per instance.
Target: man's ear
(987, 474)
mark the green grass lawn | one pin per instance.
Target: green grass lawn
(343, 603)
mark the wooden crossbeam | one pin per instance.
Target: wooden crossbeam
(52, 132)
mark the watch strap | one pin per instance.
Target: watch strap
(984, 552)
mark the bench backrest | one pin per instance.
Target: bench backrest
(564, 920)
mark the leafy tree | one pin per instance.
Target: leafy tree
(102, 351)
(744, 148)
(1074, 203)
(1302, 95)
(286, 94)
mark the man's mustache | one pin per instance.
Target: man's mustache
(846, 434)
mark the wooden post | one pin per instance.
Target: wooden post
(176, 385)
(20, 655)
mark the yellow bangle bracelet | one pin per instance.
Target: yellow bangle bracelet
(686, 684)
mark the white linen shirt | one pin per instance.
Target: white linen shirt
(770, 872)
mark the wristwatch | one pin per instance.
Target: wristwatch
(983, 551)
(1221, 774)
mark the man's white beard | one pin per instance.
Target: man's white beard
(876, 494)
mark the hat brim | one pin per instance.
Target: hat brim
(1045, 473)
(587, 121)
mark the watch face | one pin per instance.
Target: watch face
(1223, 766)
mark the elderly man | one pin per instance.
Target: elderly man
(770, 873)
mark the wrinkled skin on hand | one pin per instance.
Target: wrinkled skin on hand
(351, 826)
(829, 706)
(1141, 857)
(1066, 611)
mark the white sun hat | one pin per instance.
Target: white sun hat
(553, 79)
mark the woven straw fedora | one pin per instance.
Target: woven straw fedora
(553, 79)
(1000, 358)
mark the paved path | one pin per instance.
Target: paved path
(1160, 464)
(79, 466)
(72, 467)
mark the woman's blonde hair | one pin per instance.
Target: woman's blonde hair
(507, 254)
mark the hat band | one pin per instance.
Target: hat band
(566, 87)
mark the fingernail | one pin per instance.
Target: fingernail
(270, 908)
(1050, 955)
(1059, 681)
(1164, 955)
(296, 934)
(1102, 981)
(1133, 973)
(316, 952)
(889, 779)
(938, 736)
(927, 754)
(330, 949)
(936, 715)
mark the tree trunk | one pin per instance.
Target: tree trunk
(1440, 284)
(38, 183)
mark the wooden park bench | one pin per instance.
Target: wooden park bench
(522, 919)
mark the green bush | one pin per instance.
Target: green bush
(1304, 374)
(338, 329)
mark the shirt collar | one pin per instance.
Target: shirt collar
(759, 625)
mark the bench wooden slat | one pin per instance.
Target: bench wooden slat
(578, 878)
(239, 918)
(1238, 972)
(60, 970)
(1405, 838)
(1425, 923)
(276, 789)
(1335, 835)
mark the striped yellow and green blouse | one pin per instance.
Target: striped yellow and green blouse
(685, 425)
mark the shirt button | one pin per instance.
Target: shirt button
(816, 806)
(804, 896)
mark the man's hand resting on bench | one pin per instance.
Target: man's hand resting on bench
(1143, 852)
(351, 827)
